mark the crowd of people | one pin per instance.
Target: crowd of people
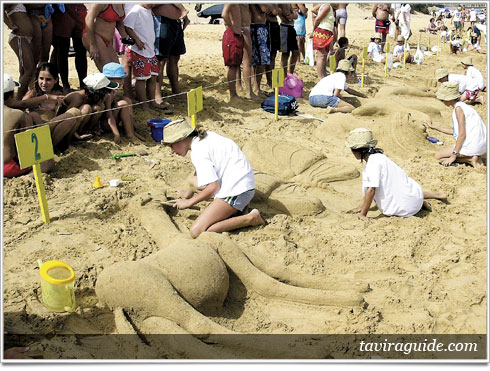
(153, 36)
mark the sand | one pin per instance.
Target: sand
(421, 275)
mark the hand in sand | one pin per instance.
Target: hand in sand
(365, 219)
(182, 204)
(448, 161)
(185, 193)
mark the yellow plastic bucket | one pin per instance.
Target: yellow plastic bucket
(57, 281)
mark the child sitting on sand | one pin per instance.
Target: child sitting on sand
(399, 50)
(122, 111)
(326, 93)
(221, 171)
(341, 53)
(374, 48)
(394, 192)
(473, 73)
(468, 129)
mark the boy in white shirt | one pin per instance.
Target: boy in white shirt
(326, 93)
(139, 26)
(394, 192)
(399, 49)
(374, 48)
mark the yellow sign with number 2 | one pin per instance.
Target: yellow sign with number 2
(33, 147)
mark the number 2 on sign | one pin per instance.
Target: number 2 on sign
(37, 156)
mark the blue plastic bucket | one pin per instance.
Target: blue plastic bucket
(157, 126)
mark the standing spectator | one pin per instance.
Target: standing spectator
(457, 17)
(100, 23)
(472, 17)
(289, 45)
(404, 21)
(42, 29)
(274, 38)
(20, 40)
(170, 21)
(341, 18)
(142, 53)
(260, 48)
(247, 53)
(395, 8)
(232, 45)
(322, 35)
(300, 28)
(69, 24)
(382, 14)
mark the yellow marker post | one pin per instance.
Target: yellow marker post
(438, 46)
(277, 82)
(405, 54)
(194, 103)
(333, 64)
(387, 50)
(364, 58)
(33, 147)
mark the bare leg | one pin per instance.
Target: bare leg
(270, 67)
(80, 60)
(321, 63)
(128, 83)
(343, 107)
(439, 195)
(247, 65)
(301, 47)
(140, 88)
(26, 63)
(284, 62)
(292, 62)
(47, 38)
(159, 81)
(232, 71)
(259, 71)
(173, 73)
(253, 218)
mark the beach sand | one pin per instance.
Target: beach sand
(426, 274)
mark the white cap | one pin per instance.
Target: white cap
(96, 81)
(8, 83)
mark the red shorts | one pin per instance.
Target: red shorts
(232, 45)
(382, 26)
(12, 169)
(322, 38)
(143, 67)
(471, 95)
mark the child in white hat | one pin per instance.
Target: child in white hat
(221, 171)
(468, 129)
(395, 193)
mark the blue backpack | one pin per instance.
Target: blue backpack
(287, 104)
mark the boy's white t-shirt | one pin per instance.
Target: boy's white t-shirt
(399, 49)
(396, 194)
(140, 20)
(457, 16)
(375, 51)
(477, 76)
(329, 84)
(475, 143)
(217, 158)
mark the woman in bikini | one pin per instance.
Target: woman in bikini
(101, 21)
(20, 40)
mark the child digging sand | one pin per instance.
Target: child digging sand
(394, 192)
(468, 129)
(222, 171)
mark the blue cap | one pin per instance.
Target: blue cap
(114, 70)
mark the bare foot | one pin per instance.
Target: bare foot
(255, 218)
(477, 162)
(440, 195)
(82, 137)
(426, 206)
(235, 100)
(117, 138)
(253, 97)
(329, 110)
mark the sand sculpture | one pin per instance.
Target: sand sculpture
(174, 289)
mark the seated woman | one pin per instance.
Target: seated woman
(326, 93)
(432, 27)
(43, 102)
(395, 193)
(122, 110)
(374, 48)
(468, 129)
(222, 172)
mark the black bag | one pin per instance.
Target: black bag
(287, 104)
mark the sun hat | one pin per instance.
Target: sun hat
(176, 130)
(441, 72)
(448, 91)
(377, 35)
(114, 70)
(400, 38)
(96, 81)
(344, 65)
(8, 83)
(468, 61)
(360, 138)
